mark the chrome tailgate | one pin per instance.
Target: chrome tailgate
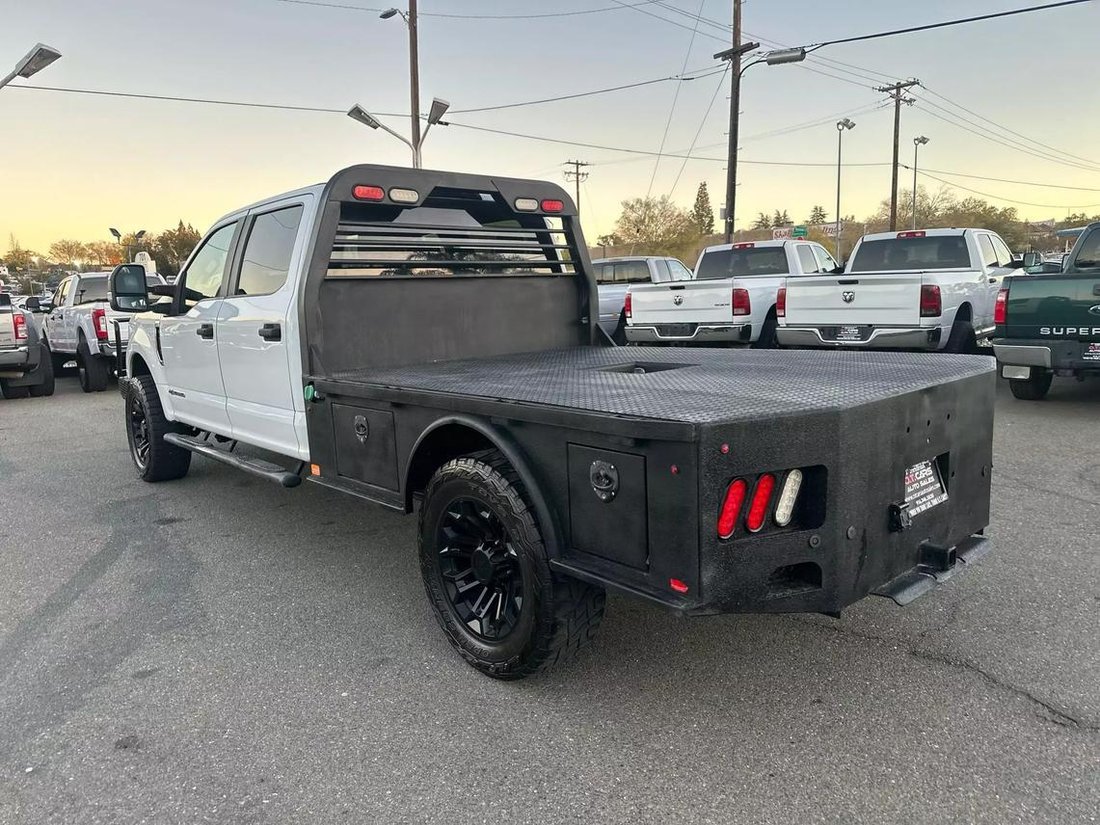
(881, 299)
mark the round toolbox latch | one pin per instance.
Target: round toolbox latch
(604, 478)
(362, 429)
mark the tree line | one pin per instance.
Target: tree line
(169, 249)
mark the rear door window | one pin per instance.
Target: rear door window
(989, 256)
(806, 258)
(267, 252)
(824, 259)
(679, 271)
(663, 275)
(1004, 255)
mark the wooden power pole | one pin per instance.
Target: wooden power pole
(896, 93)
(577, 176)
(733, 55)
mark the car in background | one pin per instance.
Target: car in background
(614, 277)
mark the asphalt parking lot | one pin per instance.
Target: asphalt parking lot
(219, 649)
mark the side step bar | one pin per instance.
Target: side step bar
(256, 466)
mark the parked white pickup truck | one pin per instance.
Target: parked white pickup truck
(732, 298)
(614, 277)
(926, 289)
(81, 325)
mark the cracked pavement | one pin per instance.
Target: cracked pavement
(223, 650)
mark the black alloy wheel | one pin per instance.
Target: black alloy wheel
(137, 429)
(481, 571)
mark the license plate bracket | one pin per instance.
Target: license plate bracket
(924, 487)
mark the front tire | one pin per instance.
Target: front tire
(12, 392)
(93, 369)
(1034, 388)
(154, 458)
(486, 574)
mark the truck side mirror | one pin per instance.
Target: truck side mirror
(127, 288)
(33, 304)
(1031, 259)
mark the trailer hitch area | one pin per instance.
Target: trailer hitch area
(935, 558)
(899, 517)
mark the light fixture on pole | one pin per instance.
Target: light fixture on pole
(435, 115)
(917, 143)
(118, 238)
(734, 55)
(841, 127)
(33, 62)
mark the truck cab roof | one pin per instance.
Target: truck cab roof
(922, 233)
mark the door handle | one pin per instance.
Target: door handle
(271, 332)
(992, 280)
(1096, 289)
(205, 331)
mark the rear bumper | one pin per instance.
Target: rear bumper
(20, 359)
(1053, 355)
(924, 338)
(659, 333)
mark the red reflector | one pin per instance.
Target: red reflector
(781, 302)
(912, 234)
(99, 321)
(1000, 309)
(761, 498)
(368, 193)
(20, 326)
(731, 507)
(626, 305)
(678, 586)
(741, 303)
(930, 304)
(553, 206)
(743, 245)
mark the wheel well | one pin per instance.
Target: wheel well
(436, 449)
(139, 367)
(964, 313)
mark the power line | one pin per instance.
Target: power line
(821, 121)
(577, 176)
(946, 23)
(1007, 200)
(698, 132)
(1007, 180)
(448, 15)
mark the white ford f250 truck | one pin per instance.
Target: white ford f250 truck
(732, 298)
(81, 325)
(925, 289)
(375, 333)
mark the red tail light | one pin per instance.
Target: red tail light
(362, 192)
(741, 303)
(761, 498)
(99, 321)
(20, 326)
(912, 234)
(731, 507)
(781, 302)
(627, 306)
(1000, 309)
(743, 245)
(930, 304)
(550, 205)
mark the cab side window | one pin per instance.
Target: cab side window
(824, 259)
(1004, 256)
(62, 292)
(267, 252)
(989, 257)
(679, 271)
(203, 277)
(806, 258)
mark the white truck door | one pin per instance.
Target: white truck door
(984, 289)
(995, 278)
(258, 332)
(54, 323)
(188, 343)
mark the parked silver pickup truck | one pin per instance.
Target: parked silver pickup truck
(25, 366)
(614, 277)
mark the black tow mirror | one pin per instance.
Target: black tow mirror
(33, 304)
(128, 289)
(1031, 259)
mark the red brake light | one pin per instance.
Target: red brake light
(761, 498)
(368, 193)
(678, 586)
(930, 304)
(743, 245)
(99, 321)
(1000, 309)
(741, 303)
(20, 326)
(626, 305)
(731, 507)
(549, 205)
(781, 302)
(912, 234)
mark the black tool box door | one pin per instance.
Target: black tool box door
(608, 512)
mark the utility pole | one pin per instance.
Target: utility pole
(577, 176)
(414, 75)
(896, 93)
(733, 55)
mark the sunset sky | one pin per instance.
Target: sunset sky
(73, 165)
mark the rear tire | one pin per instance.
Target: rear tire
(768, 338)
(93, 369)
(10, 392)
(479, 539)
(45, 368)
(154, 458)
(1034, 388)
(619, 335)
(962, 340)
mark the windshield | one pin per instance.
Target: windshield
(742, 263)
(933, 252)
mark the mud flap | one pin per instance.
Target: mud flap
(937, 565)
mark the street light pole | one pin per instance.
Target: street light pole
(33, 62)
(435, 115)
(410, 19)
(917, 143)
(841, 125)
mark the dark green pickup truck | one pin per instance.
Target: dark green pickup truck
(1049, 323)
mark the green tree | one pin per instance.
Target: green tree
(103, 254)
(702, 214)
(818, 215)
(18, 259)
(781, 218)
(171, 248)
(655, 226)
(68, 252)
(762, 221)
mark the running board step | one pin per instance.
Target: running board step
(256, 466)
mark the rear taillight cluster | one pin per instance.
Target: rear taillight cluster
(1000, 309)
(741, 303)
(760, 493)
(781, 302)
(20, 322)
(930, 303)
(627, 306)
(99, 322)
